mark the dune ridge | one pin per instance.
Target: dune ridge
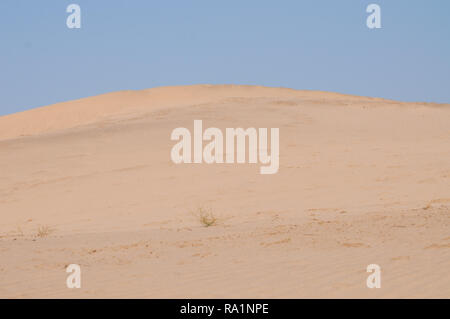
(98, 108)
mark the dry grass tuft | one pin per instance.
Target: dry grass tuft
(43, 231)
(206, 216)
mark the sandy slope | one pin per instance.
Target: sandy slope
(361, 181)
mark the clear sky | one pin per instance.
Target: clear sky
(301, 44)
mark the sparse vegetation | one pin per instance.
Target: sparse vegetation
(43, 231)
(206, 217)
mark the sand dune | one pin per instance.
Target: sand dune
(361, 181)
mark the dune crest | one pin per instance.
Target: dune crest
(99, 108)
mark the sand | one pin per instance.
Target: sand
(90, 182)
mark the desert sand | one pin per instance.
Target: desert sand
(90, 182)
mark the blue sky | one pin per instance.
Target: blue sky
(138, 44)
